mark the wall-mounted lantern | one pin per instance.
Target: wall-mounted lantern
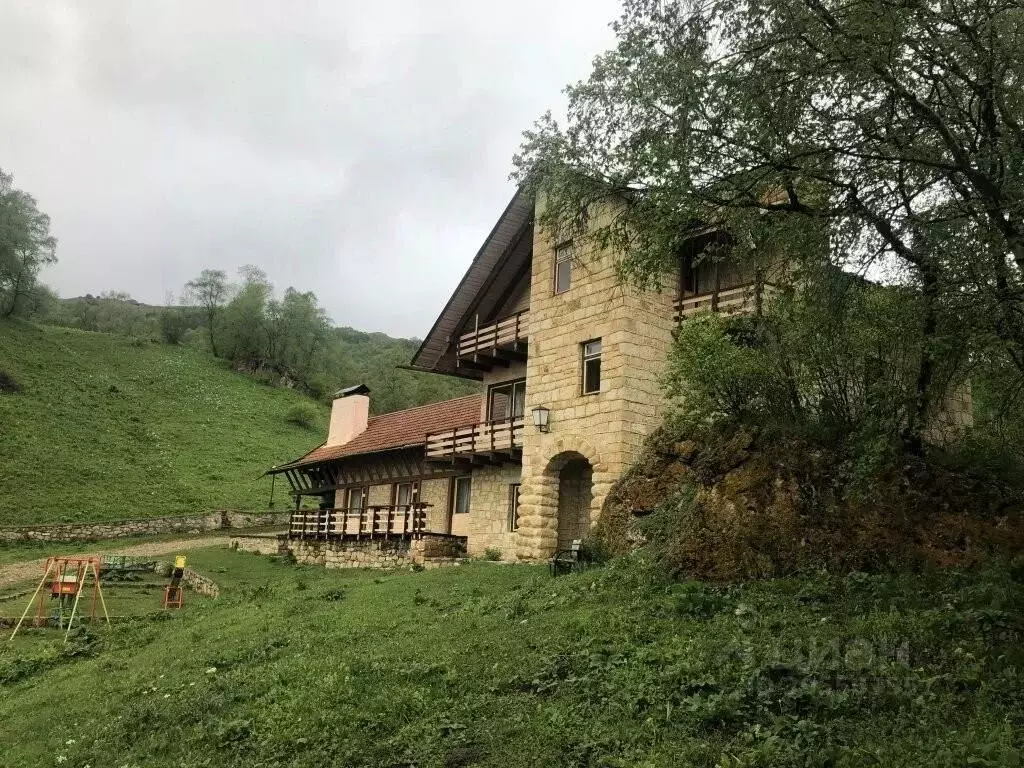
(540, 418)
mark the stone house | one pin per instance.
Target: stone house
(570, 360)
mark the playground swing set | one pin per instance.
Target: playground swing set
(67, 577)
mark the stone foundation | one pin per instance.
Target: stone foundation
(119, 529)
(431, 551)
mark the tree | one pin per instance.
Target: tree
(209, 291)
(878, 136)
(26, 246)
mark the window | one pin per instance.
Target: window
(513, 507)
(591, 366)
(563, 267)
(405, 494)
(506, 401)
(357, 499)
(461, 491)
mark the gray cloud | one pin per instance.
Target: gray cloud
(358, 151)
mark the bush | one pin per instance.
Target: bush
(7, 384)
(302, 414)
(492, 553)
(173, 325)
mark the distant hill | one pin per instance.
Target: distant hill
(106, 427)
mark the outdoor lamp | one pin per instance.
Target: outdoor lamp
(540, 418)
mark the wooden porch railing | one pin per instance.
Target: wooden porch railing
(508, 331)
(489, 437)
(381, 521)
(731, 301)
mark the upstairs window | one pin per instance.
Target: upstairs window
(591, 353)
(563, 267)
(507, 401)
(461, 491)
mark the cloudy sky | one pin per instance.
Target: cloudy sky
(359, 150)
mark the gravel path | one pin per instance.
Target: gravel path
(32, 570)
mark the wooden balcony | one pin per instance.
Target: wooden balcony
(498, 343)
(731, 301)
(393, 521)
(490, 441)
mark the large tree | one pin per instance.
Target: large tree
(893, 129)
(210, 292)
(26, 246)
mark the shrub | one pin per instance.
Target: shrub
(173, 325)
(8, 384)
(302, 414)
(492, 553)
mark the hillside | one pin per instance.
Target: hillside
(496, 665)
(106, 428)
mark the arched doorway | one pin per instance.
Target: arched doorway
(575, 478)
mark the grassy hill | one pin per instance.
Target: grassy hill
(498, 665)
(106, 428)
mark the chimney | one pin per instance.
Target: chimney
(349, 413)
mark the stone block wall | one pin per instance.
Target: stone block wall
(606, 428)
(185, 524)
(487, 524)
(261, 544)
(429, 551)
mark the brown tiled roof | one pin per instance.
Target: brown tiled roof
(400, 429)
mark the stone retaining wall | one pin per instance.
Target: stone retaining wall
(119, 529)
(431, 551)
(260, 543)
(199, 583)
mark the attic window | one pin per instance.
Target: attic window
(563, 267)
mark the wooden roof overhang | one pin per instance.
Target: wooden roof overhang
(500, 267)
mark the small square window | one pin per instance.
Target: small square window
(461, 492)
(513, 507)
(563, 267)
(591, 351)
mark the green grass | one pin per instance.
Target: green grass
(500, 665)
(108, 429)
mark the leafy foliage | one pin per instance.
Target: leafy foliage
(26, 246)
(304, 415)
(864, 135)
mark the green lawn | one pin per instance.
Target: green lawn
(499, 665)
(108, 429)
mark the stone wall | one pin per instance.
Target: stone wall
(119, 529)
(199, 583)
(260, 543)
(487, 524)
(431, 551)
(606, 428)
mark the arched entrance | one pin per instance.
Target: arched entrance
(574, 478)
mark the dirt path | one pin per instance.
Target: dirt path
(29, 570)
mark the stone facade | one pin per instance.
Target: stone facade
(604, 429)
(428, 552)
(487, 525)
(187, 524)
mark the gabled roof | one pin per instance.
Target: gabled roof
(399, 429)
(492, 261)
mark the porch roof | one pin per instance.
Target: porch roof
(399, 429)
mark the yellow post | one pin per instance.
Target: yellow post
(49, 562)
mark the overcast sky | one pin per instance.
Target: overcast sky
(359, 150)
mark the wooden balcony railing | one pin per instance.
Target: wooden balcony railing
(391, 521)
(731, 301)
(490, 438)
(509, 333)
